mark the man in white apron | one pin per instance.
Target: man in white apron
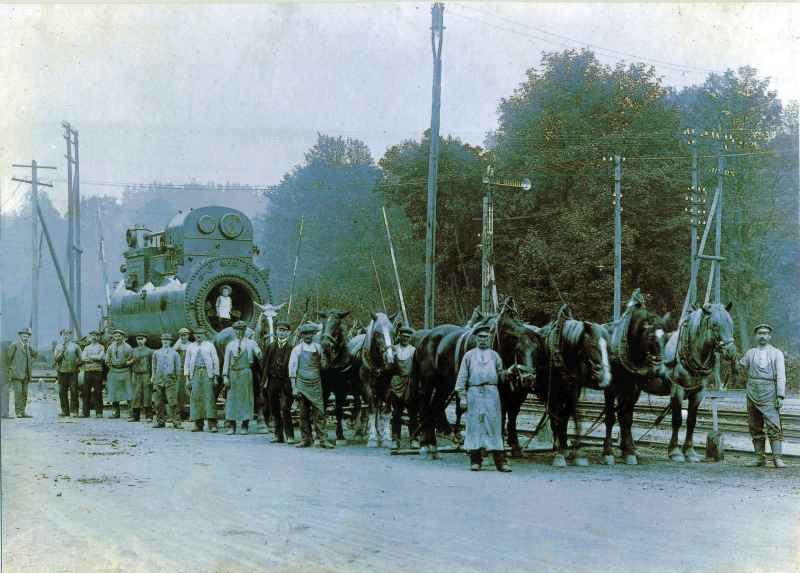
(305, 371)
(766, 390)
(237, 375)
(201, 369)
(480, 372)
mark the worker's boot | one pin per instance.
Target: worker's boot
(245, 429)
(135, 413)
(198, 426)
(116, 413)
(148, 414)
(475, 459)
(500, 461)
(212, 425)
(231, 429)
(777, 453)
(759, 445)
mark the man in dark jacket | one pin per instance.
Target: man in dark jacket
(275, 380)
(19, 365)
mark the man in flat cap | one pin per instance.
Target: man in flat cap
(400, 397)
(181, 346)
(141, 378)
(276, 382)
(166, 371)
(480, 372)
(305, 372)
(67, 356)
(19, 366)
(93, 358)
(766, 390)
(119, 358)
(201, 369)
(237, 376)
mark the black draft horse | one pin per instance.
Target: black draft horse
(636, 360)
(573, 356)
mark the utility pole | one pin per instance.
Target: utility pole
(617, 236)
(718, 230)
(76, 195)
(37, 211)
(70, 212)
(34, 322)
(694, 209)
(437, 35)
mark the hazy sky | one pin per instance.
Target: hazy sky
(181, 93)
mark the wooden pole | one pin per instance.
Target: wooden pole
(378, 280)
(700, 250)
(617, 236)
(437, 33)
(718, 230)
(76, 195)
(396, 272)
(294, 270)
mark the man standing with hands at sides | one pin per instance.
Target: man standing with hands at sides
(119, 357)
(766, 390)
(181, 346)
(92, 358)
(67, 357)
(276, 382)
(201, 369)
(19, 364)
(141, 377)
(480, 372)
(237, 376)
(305, 372)
(166, 371)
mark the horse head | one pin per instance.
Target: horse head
(646, 336)
(379, 340)
(587, 345)
(720, 331)
(517, 343)
(332, 338)
(268, 313)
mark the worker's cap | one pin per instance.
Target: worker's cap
(308, 328)
(184, 330)
(94, 332)
(760, 326)
(64, 331)
(25, 331)
(481, 329)
(200, 330)
(240, 325)
(118, 331)
(166, 336)
(283, 324)
(141, 335)
(406, 330)
(224, 287)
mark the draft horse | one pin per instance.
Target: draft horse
(636, 360)
(574, 356)
(438, 358)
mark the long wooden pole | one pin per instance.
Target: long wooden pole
(378, 280)
(294, 270)
(700, 250)
(617, 236)
(394, 264)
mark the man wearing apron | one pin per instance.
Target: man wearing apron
(181, 346)
(201, 369)
(237, 375)
(119, 358)
(766, 390)
(481, 370)
(400, 395)
(305, 371)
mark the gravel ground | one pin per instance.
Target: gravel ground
(107, 495)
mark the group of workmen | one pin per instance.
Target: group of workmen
(152, 383)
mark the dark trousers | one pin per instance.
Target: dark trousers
(20, 395)
(756, 422)
(68, 392)
(476, 457)
(279, 398)
(311, 415)
(92, 392)
(398, 405)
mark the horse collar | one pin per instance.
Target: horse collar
(687, 359)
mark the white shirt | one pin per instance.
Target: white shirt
(295, 355)
(224, 306)
(204, 351)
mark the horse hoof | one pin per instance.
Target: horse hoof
(372, 443)
(434, 453)
(341, 442)
(516, 452)
(559, 461)
(693, 457)
(608, 460)
(631, 460)
(393, 445)
(677, 458)
(583, 462)
(414, 444)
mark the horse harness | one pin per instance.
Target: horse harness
(619, 346)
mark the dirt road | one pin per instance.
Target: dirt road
(108, 495)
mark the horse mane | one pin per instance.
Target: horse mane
(572, 332)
